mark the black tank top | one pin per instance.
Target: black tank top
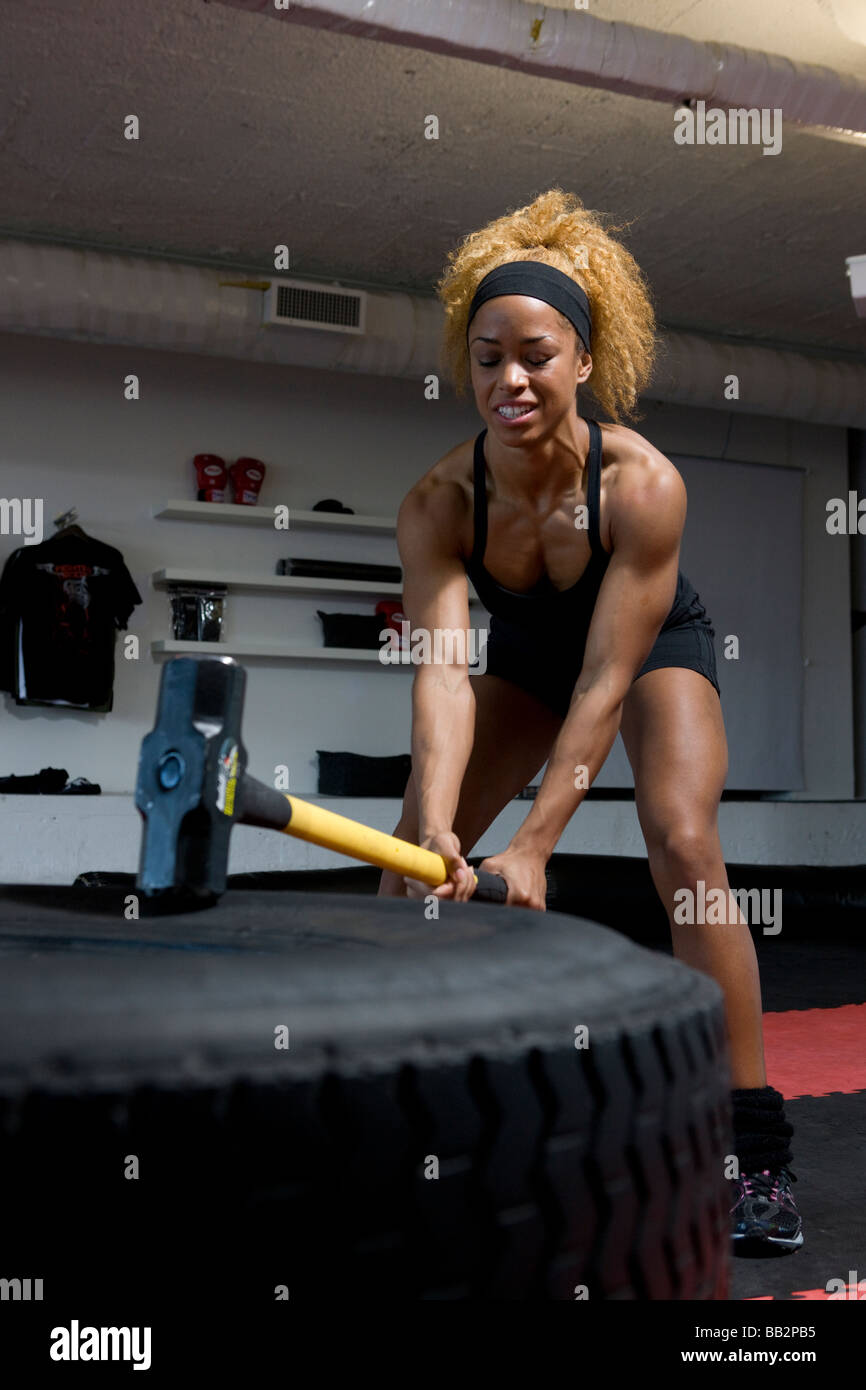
(544, 610)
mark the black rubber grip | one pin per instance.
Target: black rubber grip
(491, 888)
(261, 805)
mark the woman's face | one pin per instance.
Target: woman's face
(524, 355)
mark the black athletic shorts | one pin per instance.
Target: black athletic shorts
(515, 657)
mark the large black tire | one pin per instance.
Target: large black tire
(409, 1039)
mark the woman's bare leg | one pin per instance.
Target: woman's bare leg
(674, 734)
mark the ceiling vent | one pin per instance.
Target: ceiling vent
(308, 304)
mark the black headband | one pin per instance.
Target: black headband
(540, 281)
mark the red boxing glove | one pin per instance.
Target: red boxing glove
(247, 476)
(212, 477)
(392, 611)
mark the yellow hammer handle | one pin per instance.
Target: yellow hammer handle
(326, 828)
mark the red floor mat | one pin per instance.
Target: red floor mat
(813, 1052)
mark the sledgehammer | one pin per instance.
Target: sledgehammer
(193, 786)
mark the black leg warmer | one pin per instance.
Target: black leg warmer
(761, 1132)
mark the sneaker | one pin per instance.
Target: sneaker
(764, 1217)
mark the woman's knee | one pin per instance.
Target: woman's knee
(683, 848)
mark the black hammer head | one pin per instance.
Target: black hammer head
(189, 778)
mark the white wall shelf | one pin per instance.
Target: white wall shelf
(281, 583)
(104, 832)
(274, 652)
(220, 513)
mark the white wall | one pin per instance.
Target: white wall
(822, 453)
(70, 437)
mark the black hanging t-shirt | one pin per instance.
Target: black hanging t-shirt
(61, 603)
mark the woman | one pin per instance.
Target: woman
(570, 532)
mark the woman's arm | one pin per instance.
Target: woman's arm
(435, 600)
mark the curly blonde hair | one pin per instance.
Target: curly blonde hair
(556, 228)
